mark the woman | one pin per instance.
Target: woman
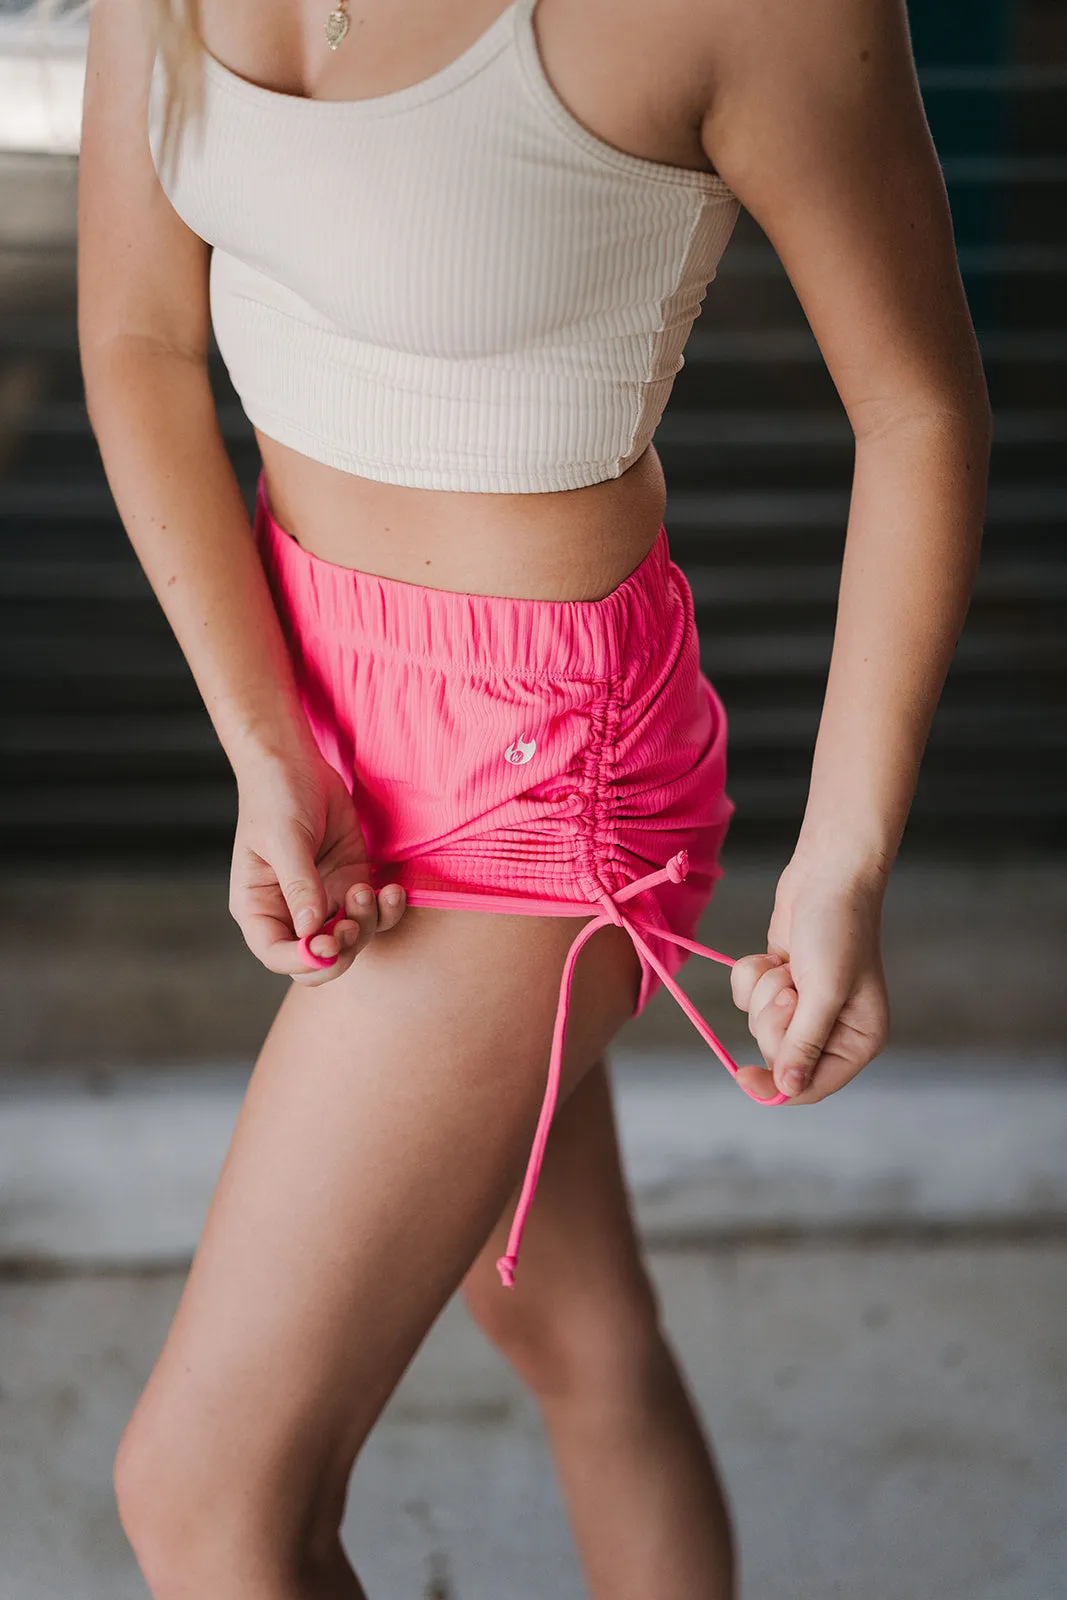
(457, 252)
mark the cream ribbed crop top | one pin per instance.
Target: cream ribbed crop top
(452, 286)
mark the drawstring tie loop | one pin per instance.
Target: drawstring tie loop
(675, 871)
(640, 931)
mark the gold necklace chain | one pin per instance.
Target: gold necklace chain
(336, 25)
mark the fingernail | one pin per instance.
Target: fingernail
(364, 898)
(390, 897)
(306, 920)
(795, 1081)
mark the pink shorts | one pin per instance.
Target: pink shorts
(526, 756)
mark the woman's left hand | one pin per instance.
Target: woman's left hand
(816, 1002)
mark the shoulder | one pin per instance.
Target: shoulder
(745, 75)
(122, 45)
(788, 86)
(786, 41)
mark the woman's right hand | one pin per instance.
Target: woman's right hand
(299, 857)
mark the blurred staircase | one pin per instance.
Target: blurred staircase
(106, 751)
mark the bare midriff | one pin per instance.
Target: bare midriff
(570, 544)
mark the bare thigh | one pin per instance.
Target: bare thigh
(583, 1301)
(385, 1125)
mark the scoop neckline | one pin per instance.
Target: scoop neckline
(481, 50)
(514, 25)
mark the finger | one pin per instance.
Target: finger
(773, 1024)
(850, 1048)
(329, 953)
(832, 1072)
(758, 1081)
(392, 903)
(332, 950)
(262, 915)
(802, 1045)
(361, 904)
(321, 950)
(773, 983)
(367, 915)
(339, 937)
(771, 1010)
(746, 973)
(271, 942)
(293, 864)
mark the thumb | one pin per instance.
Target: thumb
(298, 879)
(802, 1044)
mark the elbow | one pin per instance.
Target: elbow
(975, 410)
(965, 414)
(119, 367)
(104, 383)
(949, 398)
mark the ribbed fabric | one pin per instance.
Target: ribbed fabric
(537, 757)
(453, 286)
(539, 751)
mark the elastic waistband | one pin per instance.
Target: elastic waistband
(488, 634)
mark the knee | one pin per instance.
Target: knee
(157, 1509)
(594, 1343)
(179, 1522)
(200, 1522)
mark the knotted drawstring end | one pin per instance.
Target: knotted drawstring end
(674, 871)
(678, 867)
(506, 1268)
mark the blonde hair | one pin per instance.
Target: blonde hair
(175, 29)
(180, 41)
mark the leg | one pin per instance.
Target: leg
(582, 1329)
(385, 1124)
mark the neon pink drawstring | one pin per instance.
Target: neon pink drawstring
(305, 943)
(676, 870)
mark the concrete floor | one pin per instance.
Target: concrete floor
(117, 1175)
(892, 1422)
(887, 1389)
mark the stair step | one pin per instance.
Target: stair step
(775, 345)
(106, 736)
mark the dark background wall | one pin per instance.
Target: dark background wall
(107, 754)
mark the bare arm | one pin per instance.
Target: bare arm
(816, 122)
(143, 329)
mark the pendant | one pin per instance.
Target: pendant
(336, 26)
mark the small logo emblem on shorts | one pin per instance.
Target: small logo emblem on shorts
(520, 751)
